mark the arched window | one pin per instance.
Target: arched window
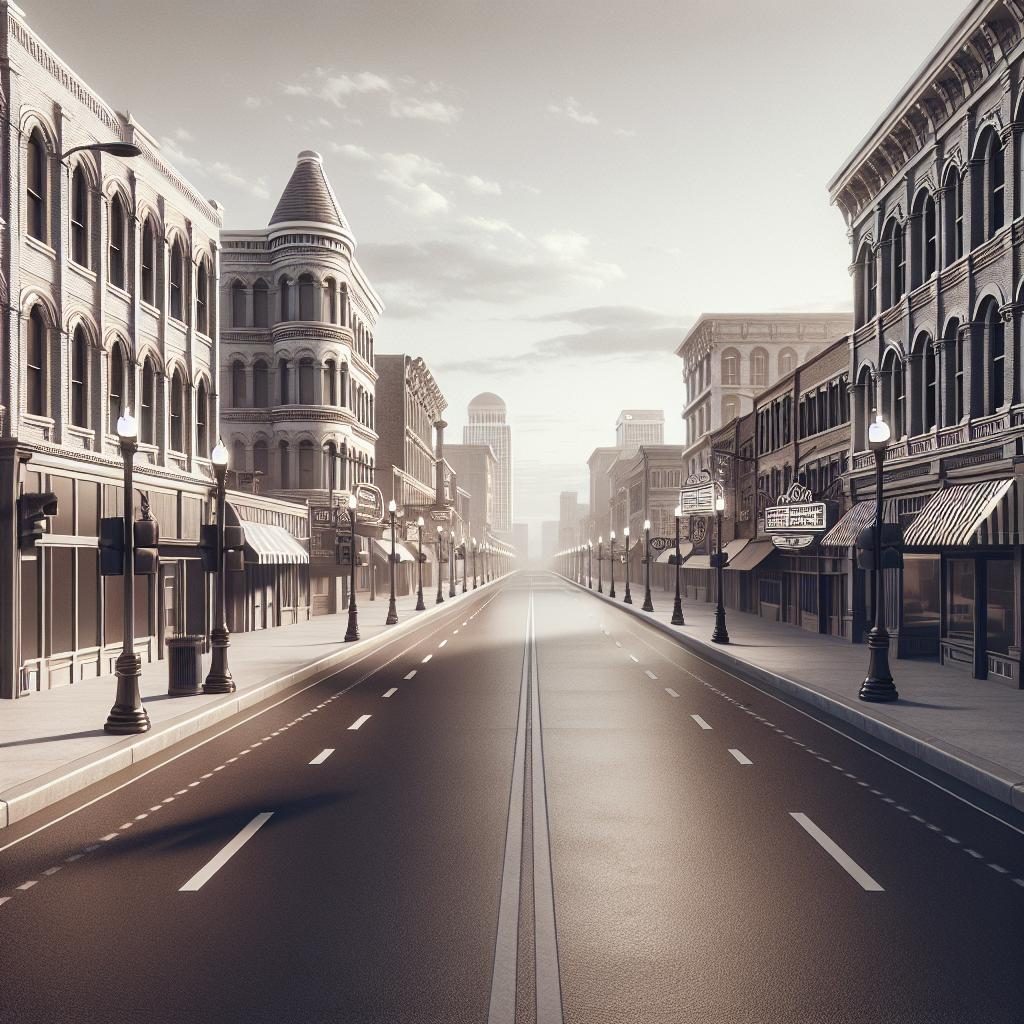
(893, 393)
(865, 401)
(306, 293)
(759, 368)
(116, 243)
(896, 263)
(995, 356)
(79, 377)
(36, 403)
(260, 385)
(343, 305)
(730, 367)
(925, 261)
(36, 190)
(177, 281)
(80, 217)
(284, 461)
(345, 396)
(331, 293)
(179, 411)
(149, 262)
(306, 396)
(867, 293)
(954, 216)
(203, 445)
(787, 361)
(147, 407)
(330, 451)
(959, 398)
(331, 375)
(284, 375)
(260, 304)
(238, 384)
(238, 304)
(260, 458)
(306, 465)
(370, 416)
(238, 456)
(730, 408)
(923, 386)
(202, 297)
(117, 387)
(995, 171)
(284, 287)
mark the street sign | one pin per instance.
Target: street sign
(660, 543)
(369, 504)
(796, 521)
(793, 542)
(697, 496)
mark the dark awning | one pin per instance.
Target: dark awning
(752, 555)
(685, 550)
(985, 512)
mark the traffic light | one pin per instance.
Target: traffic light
(112, 546)
(33, 509)
(892, 547)
(208, 546)
(146, 547)
(234, 542)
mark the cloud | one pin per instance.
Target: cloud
(567, 245)
(610, 316)
(424, 110)
(421, 200)
(217, 170)
(337, 89)
(482, 188)
(492, 225)
(252, 103)
(183, 135)
(571, 110)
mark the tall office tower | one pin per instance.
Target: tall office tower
(487, 425)
(635, 427)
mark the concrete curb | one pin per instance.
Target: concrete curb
(987, 777)
(26, 798)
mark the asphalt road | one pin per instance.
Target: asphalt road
(532, 808)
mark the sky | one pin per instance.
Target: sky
(545, 193)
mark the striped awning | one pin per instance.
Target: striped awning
(986, 512)
(272, 545)
(844, 533)
(685, 550)
(752, 555)
(383, 548)
(732, 548)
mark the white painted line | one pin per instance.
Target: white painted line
(53, 871)
(617, 644)
(108, 837)
(322, 756)
(360, 721)
(651, 675)
(465, 623)
(671, 692)
(426, 659)
(204, 874)
(25, 885)
(231, 760)
(127, 824)
(5, 899)
(740, 756)
(843, 859)
(208, 775)
(633, 657)
(180, 792)
(700, 721)
(455, 632)
(411, 674)
(220, 768)
(994, 867)
(391, 692)
(156, 807)
(73, 858)
(192, 785)
(443, 643)
(139, 817)
(89, 849)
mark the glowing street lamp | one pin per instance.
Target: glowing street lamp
(720, 634)
(352, 633)
(648, 605)
(628, 599)
(677, 605)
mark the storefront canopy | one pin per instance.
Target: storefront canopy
(752, 555)
(383, 548)
(844, 534)
(732, 549)
(273, 545)
(685, 550)
(987, 512)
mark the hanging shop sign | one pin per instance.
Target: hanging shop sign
(660, 543)
(797, 520)
(369, 505)
(697, 495)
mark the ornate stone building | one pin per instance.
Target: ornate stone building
(487, 425)
(297, 350)
(933, 203)
(108, 278)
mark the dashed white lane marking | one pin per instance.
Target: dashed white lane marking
(465, 623)
(5, 899)
(411, 674)
(1019, 881)
(740, 756)
(127, 825)
(700, 721)
(322, 756)
(617, 644)
(651, 675)
(205, 873)
(73, 858)
(391, 692)
(843, 859)
(140, 817)
(89, 849)
(455, 632)
(54, 870)
(192, 785)
(995, 867)
(157, 807)
(25, 885)
(426, 659)
(180, 792)
(443, 643)
(108, 837)
(633, 657)
(671, 692)
(359, 722)
(972, 853)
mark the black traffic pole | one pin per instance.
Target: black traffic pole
(420, 606)
(440, 536)
(677, 604)
(474, 563)
(451, 563)
(600, 558)
(611, 562)
(352, 633)
(648, 605)
(219, 679)
(721, 633)
(392, 607)
(628, 599)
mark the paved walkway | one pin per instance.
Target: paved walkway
(52, 743)
(970, 728)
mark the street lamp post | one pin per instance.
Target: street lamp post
(465, 563)
(590, 564)
(440, 541)
(420, 606)
(219, 679)
(720, 634)
(628, 599)
(611, 562)
(352, 633)
(474, 563)
(451, 563)
(392, 607)
(128, 715)
(878, 685)
(677, 604)
(600, 556)
(648, 605)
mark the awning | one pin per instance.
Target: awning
(732, 549)
(273, 545)
(685, 550)
(752, 555)
(986, 512)
(383, 549)
(844, 533)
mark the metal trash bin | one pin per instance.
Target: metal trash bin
(184, 665)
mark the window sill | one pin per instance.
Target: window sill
(175, 322)
(37, 420)
(119, 291)
(148, 307)
(82, 271)
(42, 247)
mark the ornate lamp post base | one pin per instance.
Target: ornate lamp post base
(219, 678)
(352, 633)
(677, 613)
(878, 686)
(648, 605)
(127, 716)
(392, 613)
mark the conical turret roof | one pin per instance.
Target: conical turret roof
(308, 196)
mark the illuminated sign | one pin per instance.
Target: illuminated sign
(793, 542)
(796, 520)
(697, 496)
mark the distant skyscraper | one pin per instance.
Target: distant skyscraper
(487, 426)
(635, 427)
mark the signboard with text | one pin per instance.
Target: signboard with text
(697, 495)
(795, 521)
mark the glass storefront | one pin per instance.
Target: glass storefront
(960, 600)
(1000, 605)
(919, 636)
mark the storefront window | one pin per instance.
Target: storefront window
(921, 595)
(960, 603)
(999, 598)
(29, 612)
(88, 598)
(61, 595)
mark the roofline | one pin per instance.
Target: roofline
(951, 42)
(704, 318)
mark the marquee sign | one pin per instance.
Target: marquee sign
(796, 520)
(660, 543)
(697, 495)
(369, 504)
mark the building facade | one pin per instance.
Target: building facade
(932, 200)
(600, 461)
(108, 276)
(476, 468)
(635, 427)
(488, 425)
(729, 359)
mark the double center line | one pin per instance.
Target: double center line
(506, 946)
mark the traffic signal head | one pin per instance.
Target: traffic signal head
(33, 509)
(112, 546)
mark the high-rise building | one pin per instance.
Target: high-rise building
(568, 518)
(487, 425)
(476, 468)
(635, 427)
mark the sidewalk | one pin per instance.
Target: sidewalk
(52, 743)
(971, 729)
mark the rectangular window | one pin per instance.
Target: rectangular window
(1001, 607)
(29, 608)
(960, 599)
(61, 592)
(88, 598)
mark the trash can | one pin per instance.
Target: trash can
(184, 665)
